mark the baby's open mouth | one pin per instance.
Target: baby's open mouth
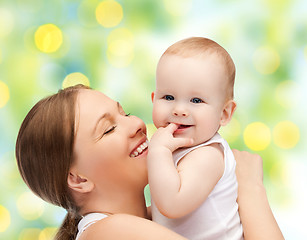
(182, 126)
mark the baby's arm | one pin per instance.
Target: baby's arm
(177, 192)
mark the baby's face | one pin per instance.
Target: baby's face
(191, 93)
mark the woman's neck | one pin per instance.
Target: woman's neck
(116, 203)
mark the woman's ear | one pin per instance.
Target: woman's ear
(79, 183)
(229, 109)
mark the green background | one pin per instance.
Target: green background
(267, 40)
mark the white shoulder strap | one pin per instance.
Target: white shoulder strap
(88, 220)
(180, 153)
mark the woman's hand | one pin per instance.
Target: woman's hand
(249, 170)
(256, 215)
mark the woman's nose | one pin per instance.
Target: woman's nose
(135, 126)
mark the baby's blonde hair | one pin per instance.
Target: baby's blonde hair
(200, 46)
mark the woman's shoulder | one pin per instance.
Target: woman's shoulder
(125, 226)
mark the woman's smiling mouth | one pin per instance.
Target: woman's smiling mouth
(140, 149)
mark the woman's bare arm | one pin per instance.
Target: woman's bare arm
(256, 215)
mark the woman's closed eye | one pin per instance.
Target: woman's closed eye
(106, 132)
(168, 97)
(109, 130)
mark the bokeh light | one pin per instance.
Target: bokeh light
(29, 234)
(47, 233)
(266, 60)
(286, 134)
(257, 136)
(120, 50)
(109, 13)
(6, 22)
(74, 79)
(29, 206)
(287, 94)
(4, 94)
(48, 38)
(5, 218)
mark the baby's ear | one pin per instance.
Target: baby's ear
(229, 108)
(79, 183)
(152, 96)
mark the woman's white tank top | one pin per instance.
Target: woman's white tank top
(88, 220)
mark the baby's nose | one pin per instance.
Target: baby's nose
(180, 111)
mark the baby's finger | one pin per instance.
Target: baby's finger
(183, 142)
(172, 127)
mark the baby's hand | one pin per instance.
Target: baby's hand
(164, 137)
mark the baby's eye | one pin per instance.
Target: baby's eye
(168, 97)
(196, 100)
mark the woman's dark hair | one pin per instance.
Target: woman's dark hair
(44, 153)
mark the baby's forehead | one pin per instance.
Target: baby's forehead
(201, 57)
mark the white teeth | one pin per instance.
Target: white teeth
(140, 149)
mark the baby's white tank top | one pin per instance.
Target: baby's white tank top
(217, 217)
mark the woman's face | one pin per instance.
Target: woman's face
(110, 146)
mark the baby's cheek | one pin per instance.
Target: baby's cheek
(158, 116)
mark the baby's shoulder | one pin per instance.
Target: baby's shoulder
(213, 149)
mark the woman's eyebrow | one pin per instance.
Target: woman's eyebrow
(103, 116)
(118, 105)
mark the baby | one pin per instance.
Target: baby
(191, 167)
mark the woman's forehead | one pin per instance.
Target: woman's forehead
(92, 102)
(90, 106)
(87, 98)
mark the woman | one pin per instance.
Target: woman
(78, 149)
